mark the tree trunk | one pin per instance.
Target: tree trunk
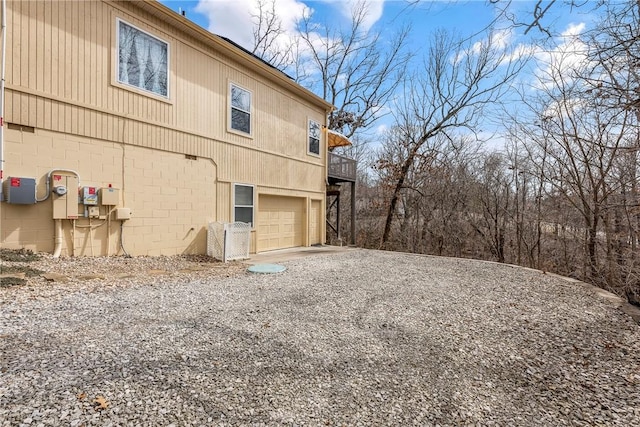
(591, 250)
(394, 198)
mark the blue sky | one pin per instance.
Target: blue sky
(232, 19)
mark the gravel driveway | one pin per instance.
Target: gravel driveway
(357, 338)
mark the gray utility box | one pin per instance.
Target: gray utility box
(19, 191)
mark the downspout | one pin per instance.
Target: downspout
(3, 34)
(58, 238)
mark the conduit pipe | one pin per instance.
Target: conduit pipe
(48, 181)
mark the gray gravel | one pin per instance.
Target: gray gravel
(358, 338)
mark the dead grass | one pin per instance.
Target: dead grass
(18, 255)
(7, 282)
(26, 270)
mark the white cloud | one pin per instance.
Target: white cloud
(502, 39)
(499, 40)
(568, 55)
(235, 19)
(381, 129)
(564, 107)
(574, 30)
(375, 9)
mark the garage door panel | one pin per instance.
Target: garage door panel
(281, 222)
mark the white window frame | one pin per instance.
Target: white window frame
(309, 152)
(117, 60)
(252, 206)
(231, 108)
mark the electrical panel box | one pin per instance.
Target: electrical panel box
(109, 196)
(93, 212)
(19, 191)
(123, 214)
(89, 196)
(65, 196)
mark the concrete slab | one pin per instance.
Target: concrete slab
(294, 253)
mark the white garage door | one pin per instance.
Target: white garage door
(280, 222)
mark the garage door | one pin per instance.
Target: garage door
(280, 222)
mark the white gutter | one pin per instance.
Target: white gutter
(3, 34)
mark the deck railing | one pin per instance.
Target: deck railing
(341, 168)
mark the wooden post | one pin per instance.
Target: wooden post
(353, 213)
(338, 216)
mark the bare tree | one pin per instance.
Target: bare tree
(541, 16)
(583, 137)
(614, 55)
(460, 80)
(271, 42)
(448, 194)
(528, 163)
(613, 78)
(491, 214)
(357, 70)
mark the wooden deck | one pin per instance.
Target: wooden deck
(341, 168)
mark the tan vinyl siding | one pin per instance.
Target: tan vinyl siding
(199, 93)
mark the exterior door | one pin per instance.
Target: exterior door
(315, 223)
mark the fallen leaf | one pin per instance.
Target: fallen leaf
(81, 396)
(100, 403)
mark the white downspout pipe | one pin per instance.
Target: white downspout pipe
(3, 59)
(58, 238)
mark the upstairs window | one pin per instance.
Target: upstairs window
(243, 203)
(240, 109)
(142, 60)
(314, 138)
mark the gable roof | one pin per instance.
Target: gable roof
(230, 48)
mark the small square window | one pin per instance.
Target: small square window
(243, 203)
(314, 138)
(142, 60)
(240, 109)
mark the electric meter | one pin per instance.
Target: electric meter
(60, 190)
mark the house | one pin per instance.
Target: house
(129, 128)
